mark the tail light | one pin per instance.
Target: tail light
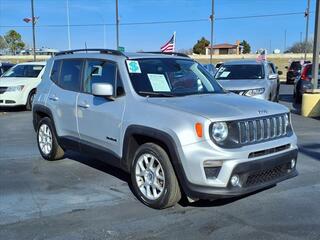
(304, 73)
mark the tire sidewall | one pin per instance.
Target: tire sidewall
(163, 159)
(47, 121)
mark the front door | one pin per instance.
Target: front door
(100, 118)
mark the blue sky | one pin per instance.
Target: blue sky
(259, 32)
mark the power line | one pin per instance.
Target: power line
(159, 22)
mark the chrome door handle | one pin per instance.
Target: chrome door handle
(54, 98)
(84, 105)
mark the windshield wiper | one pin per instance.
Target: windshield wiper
(158, 94)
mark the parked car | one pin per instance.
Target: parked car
(210, 68)
(166, 121)
(258, 79)
(4, 66)
(294, 70)
(303, 82)
(18, 84)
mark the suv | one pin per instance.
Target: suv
(294, 70)
(5, 66)
(258, 79)
(166, 121)
(303, 82)
(18, 85)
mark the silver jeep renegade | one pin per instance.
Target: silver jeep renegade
(166, 121)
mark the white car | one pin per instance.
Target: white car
(18, 85)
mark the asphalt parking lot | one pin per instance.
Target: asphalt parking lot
(82, 198)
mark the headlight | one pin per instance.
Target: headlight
(15, 88)
(253, 92)
(219, 131)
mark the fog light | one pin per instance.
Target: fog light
(235, 180)
(293, 163)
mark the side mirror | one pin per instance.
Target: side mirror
(280, 72)
(102, 89)
(273, 76)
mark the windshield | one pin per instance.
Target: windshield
(169, 77)
(238, 72)
(28, 71)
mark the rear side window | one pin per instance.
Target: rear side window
(54, 76)
(98, 71)
(70, 76)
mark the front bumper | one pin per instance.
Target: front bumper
(16, 98)
(254, 175)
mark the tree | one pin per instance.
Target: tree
(14, 41)
(246, 47)
(200, 46)
(3, 44)
(300, 47)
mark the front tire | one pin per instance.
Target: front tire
(30, 100)
(47, 140)
(153, 178)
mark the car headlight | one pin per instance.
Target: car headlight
(253, 92)
(15, 88)
(219, 131)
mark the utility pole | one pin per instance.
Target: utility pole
(306, 15)
(117, 23)
(285, 40)
(33, 32)
(68, 21)
(316, 47)
(212, 19)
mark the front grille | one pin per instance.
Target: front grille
(262, 129)
(3, 89)
(267, 175)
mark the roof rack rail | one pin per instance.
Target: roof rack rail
(170, 53)
(103, 51)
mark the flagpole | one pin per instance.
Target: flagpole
(68, 21)
(174, 41)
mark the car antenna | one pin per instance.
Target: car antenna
(85, 46)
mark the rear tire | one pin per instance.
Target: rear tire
(47, 140)
(153, 178)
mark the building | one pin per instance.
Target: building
(224, 49)
(41, 51)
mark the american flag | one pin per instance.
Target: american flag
(262, 56)
(27, 20)
(169, 46)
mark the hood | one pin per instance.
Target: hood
(228, 106)
(12, 81)
(242, 84)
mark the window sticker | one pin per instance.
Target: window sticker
(224, 74)
(133, 66)
(159, 82)
(35, 68)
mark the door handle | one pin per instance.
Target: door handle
(53, 98)
(84, 105)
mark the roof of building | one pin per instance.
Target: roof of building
(223, 46)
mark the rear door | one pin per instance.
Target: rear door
(100, 118)
(66, 75)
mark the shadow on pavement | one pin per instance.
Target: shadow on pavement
(219, 202)
(99, 165)
(122, 175)
(12, 109)
(311, 150)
